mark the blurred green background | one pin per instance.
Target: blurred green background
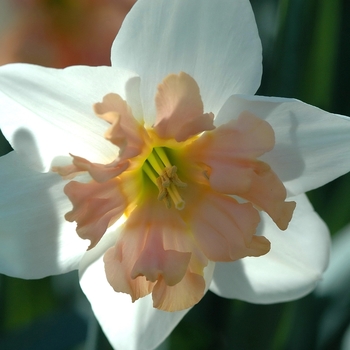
(306, 55)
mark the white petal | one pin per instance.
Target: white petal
(46, 112)
(127, 325)
(312, 146)
(216, 42)
(292, 268)
(36, 241)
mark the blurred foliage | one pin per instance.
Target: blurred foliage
(306, 55)
(35, 299)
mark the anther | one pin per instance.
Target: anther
(177, 182)
(162, 191)
(165, 180)
(171, 171)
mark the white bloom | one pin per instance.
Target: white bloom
(47, 114)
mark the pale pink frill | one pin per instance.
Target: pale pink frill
(180, 109)
(157, 253)
(96, 206)
(165, 251)
(230, 156)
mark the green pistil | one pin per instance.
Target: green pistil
(160, 171)
(162, 155)
(155, 162)
(150, 172)
(175, 196)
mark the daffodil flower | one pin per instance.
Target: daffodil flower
(163, 176)
(171, 182)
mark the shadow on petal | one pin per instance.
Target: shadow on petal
(26, 148)
(285, 158)
(234, 273)
(36, 240)
(287, 153)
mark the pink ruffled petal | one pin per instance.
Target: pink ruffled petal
(180, 109)
(182, 240)
(190, 290)
(181, 296)
(248, 137)
(229, 156)
(231, 177)
(95, 207)
(157, 252)
(268, 193)
(118, 264)
(255, 182)
(154, 221)
(125, 132)
(99, 172)
(155, 262)
(223, 228)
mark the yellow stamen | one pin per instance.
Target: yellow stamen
(167, 180)
(162, 191)
(171, 172)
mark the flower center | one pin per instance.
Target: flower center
(164, 175)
